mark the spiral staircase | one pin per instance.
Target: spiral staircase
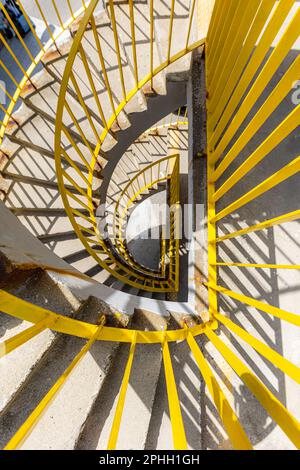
(111, 339)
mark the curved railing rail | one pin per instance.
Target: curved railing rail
(111, 117)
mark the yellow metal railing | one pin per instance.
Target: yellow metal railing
(162, 171)
(89, 223)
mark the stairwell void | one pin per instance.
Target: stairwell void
(187, 339)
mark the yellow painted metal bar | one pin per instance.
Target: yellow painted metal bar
(77, 213)
(277, 95)
(172, 12)
(277, 178)
(212, 247)
(285, 128)
(78, 151)
(132, 27)
(117, 46)
(231, 423)
(214, 20)
(289, 217)
(79, 201)
(4, 110)
(211, 209)
(289, 425)
(179, 437)
(224, 92)
(264, 45)
(174, 202)
(8, 112)
(214, 23)
(270, 309)
(2, 87)
(113, 438)
(18, 340)
(142, 82)
(31, 421)
(90, 231)
(270, 354)
(10, 75)
(70, 9)
(137, 176)
(238, 31)
(75, 185)
(259, 266)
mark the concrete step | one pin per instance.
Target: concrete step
(17, 367)
(61, 424)
(142, 43)
(178, 141)
(141, 151)
(139, 397)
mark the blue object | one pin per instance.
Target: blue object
(22, 25)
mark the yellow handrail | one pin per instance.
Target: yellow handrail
(35, 60)
(22, 309)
